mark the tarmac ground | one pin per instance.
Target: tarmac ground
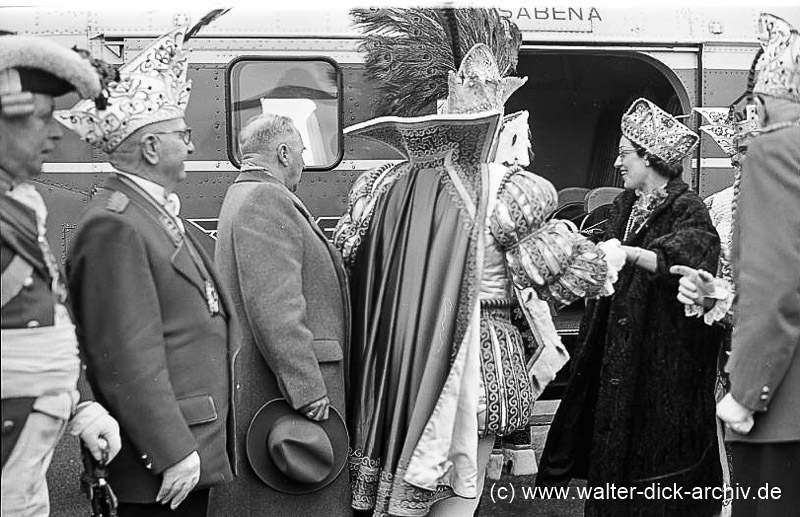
(66, 500)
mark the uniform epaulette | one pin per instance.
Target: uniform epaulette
(117, 202)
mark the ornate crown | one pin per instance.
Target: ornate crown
(778, 67)
(725, 130)
(657, 131)
(152, 88)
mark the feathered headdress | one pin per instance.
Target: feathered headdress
(411, 52)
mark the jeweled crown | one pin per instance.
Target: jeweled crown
(657, 131)
(152, 88)
(778, 68)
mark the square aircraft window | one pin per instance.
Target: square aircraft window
(307, 90)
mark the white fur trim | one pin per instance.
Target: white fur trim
(33, 52)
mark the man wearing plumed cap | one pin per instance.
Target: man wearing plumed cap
(152, 322)
(40, 364)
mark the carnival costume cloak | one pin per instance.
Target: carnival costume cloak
(433, 245)
(416, 293)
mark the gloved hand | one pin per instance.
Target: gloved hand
(736, 416)
(102, 432)
(97, 429)
(695, 285)
(179, 480)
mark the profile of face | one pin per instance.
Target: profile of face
(633, 168)
(26, 142)
(174, 145)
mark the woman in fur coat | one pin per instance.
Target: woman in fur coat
(639, 408)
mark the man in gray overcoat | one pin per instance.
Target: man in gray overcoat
(290, 294)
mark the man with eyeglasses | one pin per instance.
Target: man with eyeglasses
(152, 322)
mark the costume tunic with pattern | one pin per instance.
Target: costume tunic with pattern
(639, 406)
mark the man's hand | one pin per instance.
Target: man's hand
(736, 416)
(102, 433)
(179, 480)
(695, 285)
(318, 410)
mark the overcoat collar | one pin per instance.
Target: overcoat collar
(264, 177)
(675, 187)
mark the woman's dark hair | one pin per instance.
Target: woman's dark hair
(657, 164)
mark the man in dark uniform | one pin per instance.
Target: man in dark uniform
(40, 363)
(762, 410)
(151, 321)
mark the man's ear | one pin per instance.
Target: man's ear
(283, 154)
(149, 147)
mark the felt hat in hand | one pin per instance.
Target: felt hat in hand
(293, 454)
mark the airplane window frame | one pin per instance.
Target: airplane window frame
(232, 131)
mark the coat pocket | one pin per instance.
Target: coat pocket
(327, 350)
(199, 409)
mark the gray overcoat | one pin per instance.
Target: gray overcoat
(289, 290)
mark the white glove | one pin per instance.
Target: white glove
(97, 429)
(615, 257)
(736, 416)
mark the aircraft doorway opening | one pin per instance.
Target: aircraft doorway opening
(576, 100)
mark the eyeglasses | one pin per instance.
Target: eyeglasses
(623, 153)
(186, 134)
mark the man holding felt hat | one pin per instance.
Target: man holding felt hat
(290, 294)
(152, 321)
(40, 364)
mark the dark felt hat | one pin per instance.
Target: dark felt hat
(293, 454)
